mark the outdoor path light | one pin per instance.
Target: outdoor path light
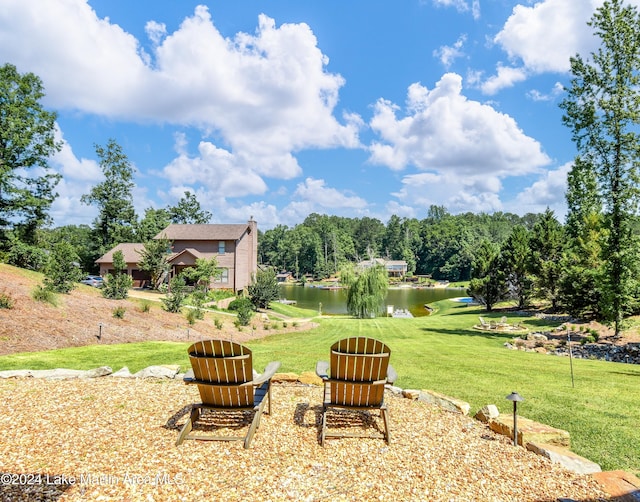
(515, 397)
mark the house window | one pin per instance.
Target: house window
(223, 278)
(220, 247)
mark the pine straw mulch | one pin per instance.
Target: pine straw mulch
(113, 439)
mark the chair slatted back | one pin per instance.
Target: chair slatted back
(224, 366)
(358, 371)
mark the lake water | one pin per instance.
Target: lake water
(334, 300)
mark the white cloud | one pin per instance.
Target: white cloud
(548, 191)
(219, 171)
(449, 53)
(266, 95)
(66, 163)
(545, 35)
(556, 91)
(474, 193)
(445, 132)
(506, 77)
(462, 6)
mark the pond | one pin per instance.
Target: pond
(334, 300)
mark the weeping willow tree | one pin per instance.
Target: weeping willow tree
(366, 290)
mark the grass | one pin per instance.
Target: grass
(442, 353)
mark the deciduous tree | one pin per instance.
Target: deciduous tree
(602, 109)
(27, 141)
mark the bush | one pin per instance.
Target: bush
(116, 286)
(119, 312)
(264, 288)
(587, 339)
(145, 306)
(6, 301)
(240, 303)
(44, 295)
(218, 323)
(193, 315)
(244, 316)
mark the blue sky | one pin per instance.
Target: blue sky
(283, 108)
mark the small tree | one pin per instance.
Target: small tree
(176, 295)
(202, 273)
(62, 272)
(264, 288)
(154, 259)
(365, 290)
(116, 286)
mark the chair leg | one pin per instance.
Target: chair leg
(252, 429)
(186, 428)
(324, 425)
(385, 420)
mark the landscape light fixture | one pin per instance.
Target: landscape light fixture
(515, 398)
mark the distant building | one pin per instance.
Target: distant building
(395, 268)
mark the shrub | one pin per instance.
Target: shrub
(44, 295)
(192, 316)
(594, 333)
(244, 316)
(6, 301)
(240, 303)
(145, 306)
(119, 312)
(218, 323)
(587, 339)
(264, 288)
(116, 286)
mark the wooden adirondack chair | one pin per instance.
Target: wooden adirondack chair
(354, 379)
(223, 372)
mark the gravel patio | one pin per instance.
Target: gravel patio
(113, 439)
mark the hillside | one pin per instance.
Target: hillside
(33, 326)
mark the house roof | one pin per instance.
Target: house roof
(129, 250)
(204, 232)
(193, 252)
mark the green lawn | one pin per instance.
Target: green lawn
(443, 353)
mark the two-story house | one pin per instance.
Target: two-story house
(234, 246)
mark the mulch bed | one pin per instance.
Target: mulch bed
(114, 439)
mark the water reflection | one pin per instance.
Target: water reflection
(334, 300)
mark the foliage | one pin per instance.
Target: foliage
(240, 303)
(152, 223)
(366, 290)
(145, 306)
(119, 312)
(547, 245)
(488, 285)
(245, 313)
(515, 263)
(113, 197)
(117, 285)
(176, 296)
(27, 141)
(44, 295)
(188, 211)
(62, 272)
(6, 300)
(264, 288)
(602, 109)
(193, 315)
(154, 259)
(23, 255)
(202, 273)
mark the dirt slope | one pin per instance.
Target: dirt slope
(33, 326)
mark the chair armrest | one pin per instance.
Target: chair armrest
(189, 376)
(322, 369)
(392, 376)
(269, 371)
